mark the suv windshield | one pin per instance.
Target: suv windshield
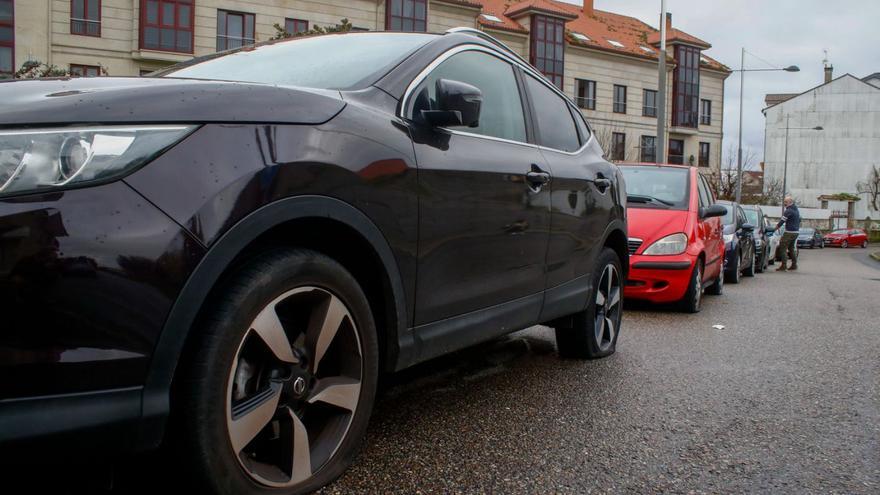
(656, 187)
(338, 61)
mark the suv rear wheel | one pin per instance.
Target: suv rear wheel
(593, 332)
(279, 393)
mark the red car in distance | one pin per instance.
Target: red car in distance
(676, 243)
(846, 238)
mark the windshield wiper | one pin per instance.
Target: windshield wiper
(638, 198)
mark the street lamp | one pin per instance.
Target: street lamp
(739, 150)
(785, 166)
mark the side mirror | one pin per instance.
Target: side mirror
(458, 105)
(713, 211)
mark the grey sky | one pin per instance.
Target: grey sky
(783, 32)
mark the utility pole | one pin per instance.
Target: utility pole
(739, 148)
(660, 146)
(785, 166)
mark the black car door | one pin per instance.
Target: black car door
(483, 225)
(581, 199)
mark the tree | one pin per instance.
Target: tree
(605, 137)
(724, 181)
(871, 187)
(281, 33)
(34, 69)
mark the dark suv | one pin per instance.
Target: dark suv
(755, 216)
(248, 241)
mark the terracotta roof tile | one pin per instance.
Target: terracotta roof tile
(678, 35)
(601, 27)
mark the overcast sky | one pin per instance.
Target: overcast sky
(783, 32)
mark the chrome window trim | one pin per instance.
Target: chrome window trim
(404, 102)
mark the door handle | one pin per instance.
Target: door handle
(537, 178)
(602, 182)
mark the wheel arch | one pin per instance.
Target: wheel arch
(615, 238)
(273, 225)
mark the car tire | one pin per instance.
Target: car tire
(693, 296)
(761, 261)
(717, 288)
(812, 244)
(864, 244)
(732, 275)
(243, 365)
(592, 333)
(750, 271)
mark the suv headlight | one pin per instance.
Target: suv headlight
(728, 238)
(37, 160)
(671, 244)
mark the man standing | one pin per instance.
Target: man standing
(791, 217)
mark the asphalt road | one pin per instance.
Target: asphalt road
(784, 399)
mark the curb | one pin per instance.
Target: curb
(875, 255)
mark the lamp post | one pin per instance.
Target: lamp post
(660, 141)
(785, 161)
(742, 70)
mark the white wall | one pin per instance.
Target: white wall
(833, 160)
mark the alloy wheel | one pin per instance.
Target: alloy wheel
(608, 307)
(294, 387)
(698, 288)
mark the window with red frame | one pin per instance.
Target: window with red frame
(7, 38)
(547, 52)
(234, 30)
(85, 17)
(78, 70)
(686, 87)
(406, 15)
(167, 25)
(295, 26)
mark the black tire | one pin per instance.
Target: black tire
(693, 296)
(717, 288)
(750, 271)
(844, 244)
(577, 336)
(205, 443)
(762, 261)
(864, 244)
(732, 274)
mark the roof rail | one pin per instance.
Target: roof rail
(487, 37)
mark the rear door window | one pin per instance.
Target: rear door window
(556, 127)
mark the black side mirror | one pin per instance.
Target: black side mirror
(458, 105)
(713, 211)
(747, 227)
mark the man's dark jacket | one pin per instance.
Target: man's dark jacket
(791, 217)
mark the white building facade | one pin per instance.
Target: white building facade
(833, 160)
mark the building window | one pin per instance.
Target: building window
(167, 25)
(234, 30)
(705, 112)
(295, 26)
(85, 17)
(676, 151)
(619, 99)
(648, 149)
(78, 70)
(585, 93)
(686, 86)
(547, 51)
(406, 15)
(704, 154)
(649, 103)
(618, 146)
(7, 38)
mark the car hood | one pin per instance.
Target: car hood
(651, 224)
(150, 99)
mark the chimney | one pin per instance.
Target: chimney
(588, 7)
(668, 23)
(829, 71)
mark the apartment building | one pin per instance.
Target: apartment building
(606, 61)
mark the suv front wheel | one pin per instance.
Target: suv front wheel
(593, 332)
(283, 380)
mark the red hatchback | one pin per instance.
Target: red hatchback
(846, 238)
(676, 244)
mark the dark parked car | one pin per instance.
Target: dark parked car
(248, 241)
(739, 243)
(755, 216)
(811, 238)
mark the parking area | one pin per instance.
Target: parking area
(784, 398)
